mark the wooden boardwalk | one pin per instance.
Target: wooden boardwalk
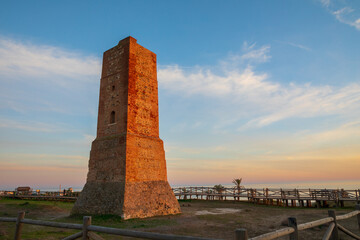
(268, 196)
(42, 195)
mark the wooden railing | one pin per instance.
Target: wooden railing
(284, 197)
(269, 196)
(88, 231)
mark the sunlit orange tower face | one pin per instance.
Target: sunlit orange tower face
(127, 167)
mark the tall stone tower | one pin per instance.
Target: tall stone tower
(127, 167)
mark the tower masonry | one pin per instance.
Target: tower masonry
(127, 168)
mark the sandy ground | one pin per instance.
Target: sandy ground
(257, 219)
(211, 219)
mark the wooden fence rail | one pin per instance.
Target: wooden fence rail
(268, 196)
(88, 230)
(293, 230)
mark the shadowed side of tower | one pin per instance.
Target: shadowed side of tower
(127, 167)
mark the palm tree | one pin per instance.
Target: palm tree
(237, 182)
(219, 188)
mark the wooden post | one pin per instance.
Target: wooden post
(357, 207)
(86, 223)
(267, 196)
(19, 225)
(241, 234)
(335, 233)
(298, 193)
(293, 223)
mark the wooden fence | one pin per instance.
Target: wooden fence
(293, 228)
(88, 230)
(268, 196)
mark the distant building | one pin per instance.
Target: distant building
(23, 190)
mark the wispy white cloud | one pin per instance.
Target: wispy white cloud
(327, 143)
(237, 79)
(349, 131)
(252, 53)
(303, 101)
(343, 12)
(38, 60)
(204, 81)
(303, 47)
(273, 101)
(287, 156)
(325, 3)
(46, 78)
(31, 126)
(343, 16)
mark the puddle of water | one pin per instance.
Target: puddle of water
(216, 211)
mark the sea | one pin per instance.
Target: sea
(346, 185)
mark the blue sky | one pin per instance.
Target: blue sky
(264, 90)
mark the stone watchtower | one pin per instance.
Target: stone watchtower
(127, 167)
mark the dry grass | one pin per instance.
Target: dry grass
(257, 219)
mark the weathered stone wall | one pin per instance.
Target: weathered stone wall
(142, 92)
(107, 159)
(100, 198)
(147, 199)
(127, 167)
(114, 90)
(145, 159)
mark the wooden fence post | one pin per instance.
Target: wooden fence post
(293, 223)
(86, 223)
(335, 233)
(241, 234)
(357, 207)
(19, 225)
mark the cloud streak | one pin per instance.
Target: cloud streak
(249, 89)
(296, 45)
(343, 12)
(41, 78)
(30, 126)
(343, 15)
(18, 58)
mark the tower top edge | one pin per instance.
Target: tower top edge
(129, 38)
(124, 41)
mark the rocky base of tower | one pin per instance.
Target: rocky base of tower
(100, 198)
(141, 199)
(148, 199)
